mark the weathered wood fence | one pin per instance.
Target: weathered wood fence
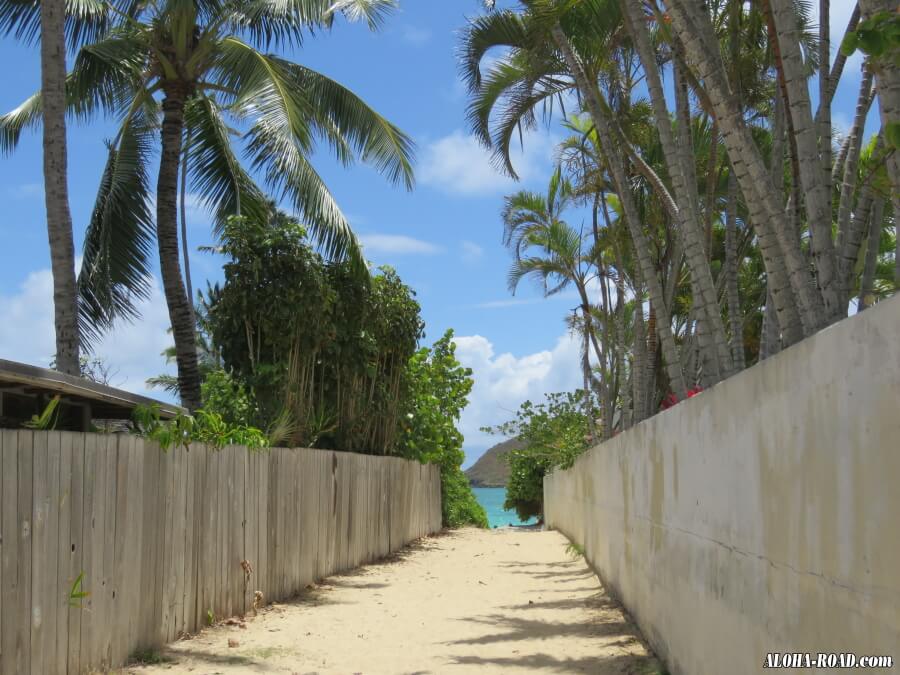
(163, 542)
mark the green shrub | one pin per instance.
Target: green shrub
(554, 433)
(438, 391)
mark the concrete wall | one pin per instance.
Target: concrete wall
(760, 516)
(163, 541)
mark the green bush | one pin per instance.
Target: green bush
(317, 341)
(228, 398)
(554, 433)
(438, 391)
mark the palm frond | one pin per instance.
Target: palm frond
(115, 271)
(498, 29)
(214, 170)
(104, 77)
(346, 121)
(13, 123)
(285, 22)
(86, 21)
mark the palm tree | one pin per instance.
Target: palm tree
(172, 69)
(48, 21)
(546, 247)
(542, 63)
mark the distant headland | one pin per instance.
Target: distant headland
(491, 469)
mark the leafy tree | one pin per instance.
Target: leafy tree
(554, 433)
(438, 391)
(312, 340)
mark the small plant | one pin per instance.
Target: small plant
(147, 657)
(205, 427)
(76, 594)
(47, 419)
(210, 618)
(575, 550)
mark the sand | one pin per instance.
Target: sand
(471, 601)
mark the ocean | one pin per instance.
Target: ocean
(492, 500)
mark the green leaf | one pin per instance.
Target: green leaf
(892, 134)
(850, 43)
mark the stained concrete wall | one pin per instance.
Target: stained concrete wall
(760, 516)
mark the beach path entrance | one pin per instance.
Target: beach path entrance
(471, 601)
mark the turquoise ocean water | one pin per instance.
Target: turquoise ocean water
(492, 501)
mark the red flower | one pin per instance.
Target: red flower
(670, 399)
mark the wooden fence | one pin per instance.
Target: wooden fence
(163, 542)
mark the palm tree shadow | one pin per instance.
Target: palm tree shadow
(620, 664)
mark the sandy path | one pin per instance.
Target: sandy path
(501, 601)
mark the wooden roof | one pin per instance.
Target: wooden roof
(105, 402)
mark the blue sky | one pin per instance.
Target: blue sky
(444, 238)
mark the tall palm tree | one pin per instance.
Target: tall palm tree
(546, 247)
(178, 68)
(48, 21)
(542, 63)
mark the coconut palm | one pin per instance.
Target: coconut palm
(171, 69)
(48, 22)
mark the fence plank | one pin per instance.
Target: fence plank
(76, 553)
(40, 552)
(189, 544)
(179, 539)
(10, 559)
(64, 551)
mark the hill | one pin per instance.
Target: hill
(491, 469)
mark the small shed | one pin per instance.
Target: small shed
(26, 390)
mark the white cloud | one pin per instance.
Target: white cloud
(459, 164)
(415, 35)
(471, 252)
(397, 244)
(131, 350)
(504, 381)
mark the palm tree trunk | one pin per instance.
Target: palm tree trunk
(621, 345)
(680, 165)
(814, 178)
(731, 272)
(639, 350)
(770, 343)
(605, 366)
(798, 304)
(823, 114)
(850, 174)
(185, 249)
(56, 191)
(868, 276)
(850, 244)
(651, 364)
(702, 250)
(623, 188)
(167, 238)
(586, 373)
(837, 68)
